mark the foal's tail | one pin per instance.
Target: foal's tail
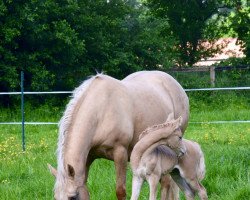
(201, 165)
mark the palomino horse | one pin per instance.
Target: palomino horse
(104, 119)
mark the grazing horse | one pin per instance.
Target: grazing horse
(104, 119)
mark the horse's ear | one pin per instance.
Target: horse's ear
(52, 170)
(71, 171)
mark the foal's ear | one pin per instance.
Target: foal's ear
(178, 122)
(71, 171)
(52, 170)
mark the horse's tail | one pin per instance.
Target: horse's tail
(154, 137)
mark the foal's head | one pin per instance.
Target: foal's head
(67, 186)
(170, 135)
(174, 141)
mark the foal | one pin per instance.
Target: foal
(157, 154)
(148, 157)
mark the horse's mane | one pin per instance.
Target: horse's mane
(65, 123)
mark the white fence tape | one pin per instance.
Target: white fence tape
(54, 123)
(214, 89)
(70, 92)
(28, 123)
(19, 93)
(220, 122)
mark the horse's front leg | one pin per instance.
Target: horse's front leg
(83, 190)
(121, 159)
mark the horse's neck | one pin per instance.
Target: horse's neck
(77, 144)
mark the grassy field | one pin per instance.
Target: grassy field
(24, 175)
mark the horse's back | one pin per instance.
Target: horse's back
(158, 93)
(153, 78)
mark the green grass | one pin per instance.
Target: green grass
(24, 175)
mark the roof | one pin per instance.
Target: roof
(229, 48)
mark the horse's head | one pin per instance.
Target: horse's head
(174, 140)
(68, 186)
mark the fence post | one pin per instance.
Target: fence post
(212, 76)
(22, 110)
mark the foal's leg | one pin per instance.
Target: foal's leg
(121, 160)
(153, 181)
(202, 193)
(169, 189)
(183, 184)
(199, 188)
(136, 187)
(165, 187)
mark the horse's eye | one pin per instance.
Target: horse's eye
(180, 138)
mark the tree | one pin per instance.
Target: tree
(59, 43)
(187, 20)
(241, 25)
(38, 39)
(233, 21)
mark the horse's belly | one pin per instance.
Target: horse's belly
(103, 151)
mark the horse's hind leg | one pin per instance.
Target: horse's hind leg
(121, 159)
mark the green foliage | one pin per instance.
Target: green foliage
(238, 75)
(37, 38)
(59, 43)
(241, 25)
(192, 22)
(187, 20)
(237, 62)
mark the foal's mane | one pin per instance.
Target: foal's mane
(65, 123)
(155, 128)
